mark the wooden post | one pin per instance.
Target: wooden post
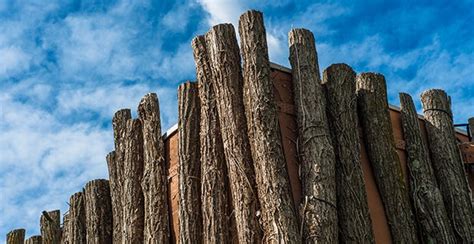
(227, 81)
(318, 173)
(447, 163)
(77, 219)
(427, 200)
(98, 212)
(16, 236)
(116, 165)
(377, 127)
(65, 230)
(155, 179)
(352, 204)
(214, 184)
(190, 218)
(471, 128)
(278, 214)
(34, 240)
(50, 225)
(132, 195)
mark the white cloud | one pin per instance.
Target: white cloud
(222, 11)
(13, 60)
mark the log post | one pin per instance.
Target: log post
(65, 230)
(352, 204)
(278, 214)
(76, 226)
(34, 240)
(155, 180)
(189, 171)
(132, 195)
(447, 163)
(98, 212)
(471, 128)
(427, 200)
(318, 173)
(377, 127)
(214, 184)
(16, 236)
(50, 225)
(227, 81)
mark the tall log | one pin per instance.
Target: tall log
(224, 60)
(98, 212)
(447, 163)
(433, 221)
(77, 219)
(116, 165)
(50, 225)
(65, 230)
(278, 214)
(133, 199)
(34, 240)
(377, 127)
(155, 180)
(317, 159)
(341, 109)
(16, 236)
(471, 128)
(214, 184)
(189, 171)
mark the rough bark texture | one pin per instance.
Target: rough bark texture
(155, 182)
(471, 128)
(377, 127)
(447, 163)
(433, 221)
(352, 204)
(65, 230)
(116, 162)
(16, 236)
(317, 160)
(278, 214)
(34, 240)
(133, 200)
(190, 218)
(227, 81)
(214, 184)
(98, 212)
(50, 227)
(76, 226)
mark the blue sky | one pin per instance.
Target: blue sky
(67, 66)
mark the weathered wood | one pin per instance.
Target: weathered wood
(352, 204)
(318, 173)
(76, 226)
(115, 163)
(34, 240)
(224, 60)
(447, 163)
(471, 128)
(132, 195)
(430, 212)
(65, 230)
(279, 218)
(16, 236)
(98, 212)
(214, 184)
(50, 225)
(155, 179)
(190, 218)
(378, 138)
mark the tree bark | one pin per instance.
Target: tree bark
(427, 200)
(227, 81)
(190, 218)
(214, 184)
(16, 236)
(98, 212)
(76, 226)
(278, 214)
(378, 138)
(50, 225)
(133, 200)
(116, 162)
(65, 230)
(155, 179)
(352, 205)
(33, 240)
(447, 163)
(471, 128)
(318, 173)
